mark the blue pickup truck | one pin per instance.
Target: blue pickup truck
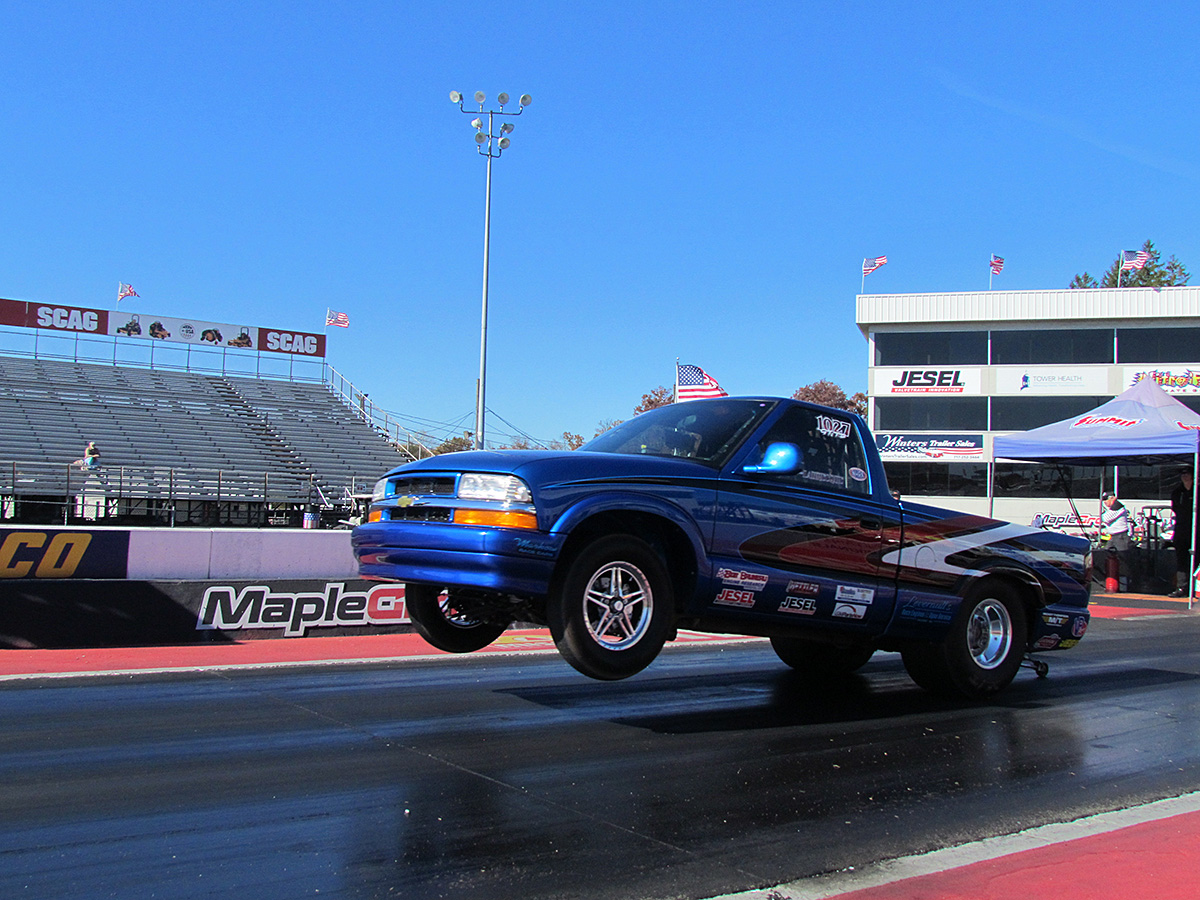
(748, 515)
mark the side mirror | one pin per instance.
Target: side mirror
(780, 459)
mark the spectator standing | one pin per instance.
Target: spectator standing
(1182, 504)
(1114, 520)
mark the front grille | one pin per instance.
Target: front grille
(418, 514)
(418, 485)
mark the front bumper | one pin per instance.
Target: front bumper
(504, 560)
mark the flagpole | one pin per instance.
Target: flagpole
(863, 286)
(675, 393)
(1120, 265)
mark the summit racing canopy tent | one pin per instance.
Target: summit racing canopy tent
(1144, 425)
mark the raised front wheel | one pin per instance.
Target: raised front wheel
(447, 623)
(615, 609)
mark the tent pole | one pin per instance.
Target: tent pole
(991, 477)
(1192, 548)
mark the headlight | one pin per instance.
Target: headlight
(509, 488)
(379, 491)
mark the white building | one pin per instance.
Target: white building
(948, 371)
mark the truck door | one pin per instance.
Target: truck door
(806, 546)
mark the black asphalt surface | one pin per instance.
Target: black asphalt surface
(716, 770)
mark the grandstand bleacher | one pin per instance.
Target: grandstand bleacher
(180, 447)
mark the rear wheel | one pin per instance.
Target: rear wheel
(982, 651)
(816, 658)
(615, 609)
(445, 623)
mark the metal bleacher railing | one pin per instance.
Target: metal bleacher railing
(314, 468)
(133, 353)
(190, 495)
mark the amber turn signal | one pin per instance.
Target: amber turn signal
(499, 518)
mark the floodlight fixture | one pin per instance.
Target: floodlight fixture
(491, 139)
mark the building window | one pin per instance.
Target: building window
(931, 414)
(1034, 480)
(1158, 345)
(1150, 482)
(1023, 413)
(930, 348)
(1052, 346)
(937, 479)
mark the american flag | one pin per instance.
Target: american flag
(341, 320)
(694, 384)
(1133, 259)
(997, 264)
(870, 265)
(125, 290)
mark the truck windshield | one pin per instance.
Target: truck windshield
(707, 431)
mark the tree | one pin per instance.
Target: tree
(454, 444)
(606, 425)
(569, 441)
(827, 393)
(660, 396)
(1153, 274)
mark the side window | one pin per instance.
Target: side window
(831, 452)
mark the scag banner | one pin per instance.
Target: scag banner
(160, 328)
(55, 318)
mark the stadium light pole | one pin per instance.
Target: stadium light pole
(490, 142)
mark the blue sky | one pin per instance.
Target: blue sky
(694, 180)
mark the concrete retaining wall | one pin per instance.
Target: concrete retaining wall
(105, 587)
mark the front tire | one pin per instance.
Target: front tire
(982, 651)
(444, 623)
(615, 609)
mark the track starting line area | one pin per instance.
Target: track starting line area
(331, 650)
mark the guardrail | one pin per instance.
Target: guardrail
(56, 492)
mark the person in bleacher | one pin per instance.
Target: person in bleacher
(91, 456)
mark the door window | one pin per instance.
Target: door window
(831, 452)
